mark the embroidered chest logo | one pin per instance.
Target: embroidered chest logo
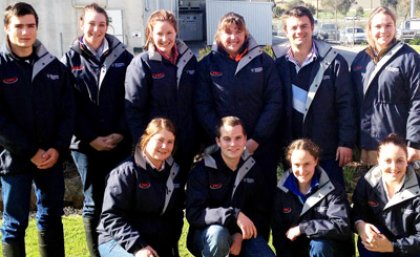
(373, 204)
(286, 210)
(257, 70)
(77, 68)
(392, 69)
(190, 72)
(11, 80)
(357, 67)
(159, 75)
(53, 76)
(216, 73)
(118, 65)
(216, 186)
(248, 180)
(145, 185)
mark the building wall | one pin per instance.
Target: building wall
(59, 21)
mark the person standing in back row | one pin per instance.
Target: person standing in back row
(386, 76)
(320, 102)
(101, 140)
(36, 124)
(160, 83)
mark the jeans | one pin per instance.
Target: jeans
(113, 249)
(16, 193)
(334, 171)
(215, 241)
(93, 168)
(363, 252)
(304, 247)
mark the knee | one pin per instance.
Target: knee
(217, 240)
(321, 248)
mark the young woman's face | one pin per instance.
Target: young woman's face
(163, 36)
(392, 161)
(303, 166)
(94, 27)
(160, 146)
(383, 30)
(232, 39)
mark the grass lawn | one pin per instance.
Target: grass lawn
(416, 47)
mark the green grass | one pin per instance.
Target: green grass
(416, 47)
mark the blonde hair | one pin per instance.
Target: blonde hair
(155, 126)
(227, 20)
(159, 15)
(378, 10)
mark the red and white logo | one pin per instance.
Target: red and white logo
(286, 210)
(11, 80)
(216, 186)
(144, 185)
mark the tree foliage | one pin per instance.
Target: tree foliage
(342, 6)
(294, 3)
(390, 3)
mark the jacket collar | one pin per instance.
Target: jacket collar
(141, 161)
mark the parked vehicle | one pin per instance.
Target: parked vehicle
(409, 29)
(327, 32)
(350, 35)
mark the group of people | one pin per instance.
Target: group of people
(135, 124)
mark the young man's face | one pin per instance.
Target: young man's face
(21, 32)
(232, 142)
(299, 31)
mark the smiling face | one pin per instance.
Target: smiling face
(303, 166)
(232, 142)
(232, 39)
(163, 36)
(299, 31)
(21, 32)
(392, 161)
(94, 27)
(159, 147)
(382, 30)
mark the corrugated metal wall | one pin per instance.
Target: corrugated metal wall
(258, 18)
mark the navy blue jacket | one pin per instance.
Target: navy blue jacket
(249, 89)
(331, 118)
(216, 194)
(99, 91)
(157, 88)
(399, 218)
(392, 101)
(143, 206)
(324, 215)
(36, 108)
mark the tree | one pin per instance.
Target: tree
(390, 3)
(342, 6)
(359, 11)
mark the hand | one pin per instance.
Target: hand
(413, 154)
(114, 139)
(381, 244)
(368, 233)
(50, 158)
(293, 233)
(38, 158)
(343, 155)
(147, 251)
(235, 248)
(251, 145)
(246, 225)
(101, 144)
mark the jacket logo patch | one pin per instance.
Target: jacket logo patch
(321, 209)
(286, 210)
(248, 180)
(190, 72)
(11, 80)
(216, 186)
(159, 75)
(77, 68)
(53, 76)
(257, 70)
(144, 185)
(392, 69)
(326, 77)
(177, 185)
(216, 73)
(357, 67)
(373, 203)
(118, 65)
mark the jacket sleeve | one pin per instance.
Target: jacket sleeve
(345, 103)
(337, 225)
(271, 112)
(138, 80)
(410, 245)
(121, 125)
(66, 113)
(413, 120)
(118, 198)
(198, 212)
(278, 227)
(205, 106)
(360, 205)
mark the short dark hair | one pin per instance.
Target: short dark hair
(229, 121)
(19, 9)
(297, 11)
(394, 139)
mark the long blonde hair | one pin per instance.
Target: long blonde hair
(378, 10)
